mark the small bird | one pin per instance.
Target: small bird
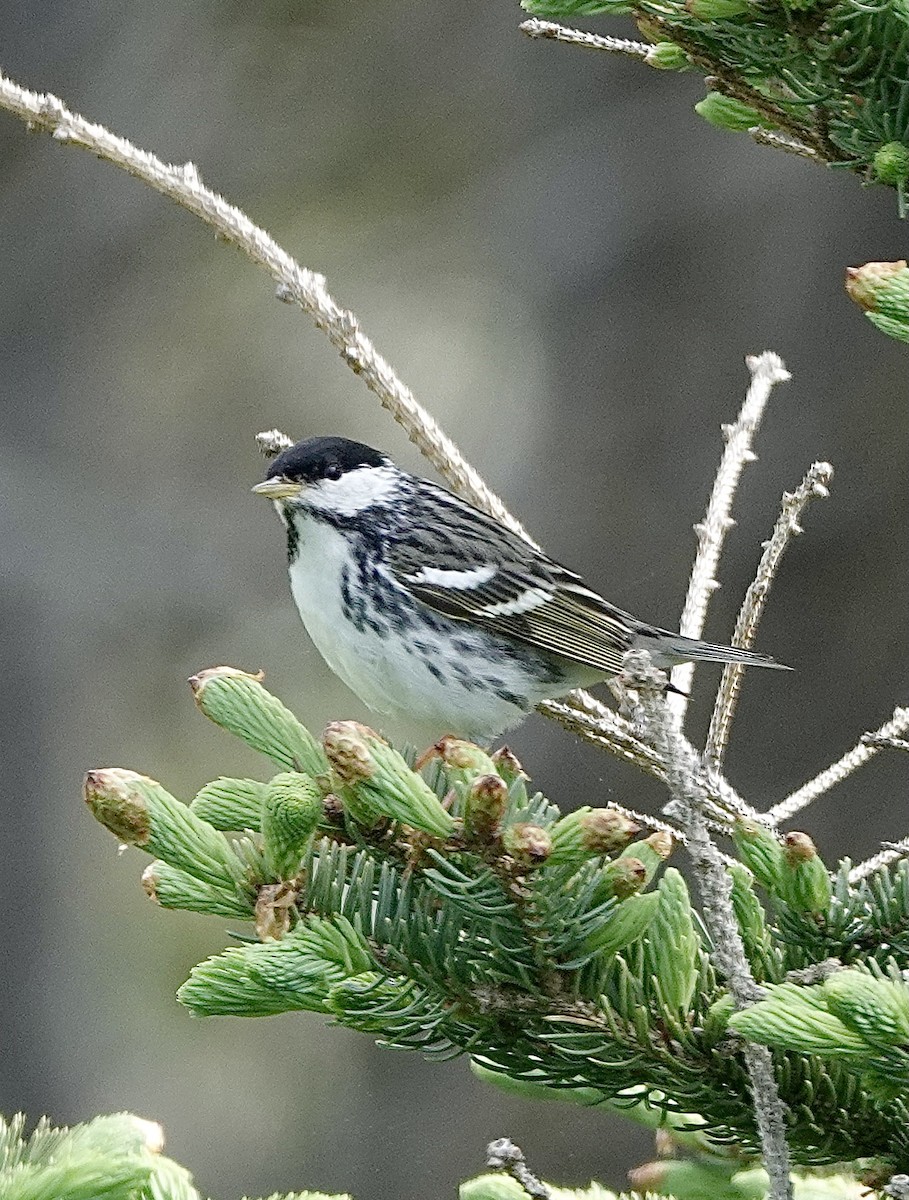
(430, 610)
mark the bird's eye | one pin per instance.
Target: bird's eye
(333, 471)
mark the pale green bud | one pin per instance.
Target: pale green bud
(491, 1187)
(230, 804)
(484, 807)
(627, 922)
(878, 1009)
(717, 10)
(140, 812)
(673, 945)
(239, 703)
(797, 1018)
(380, 779)
(727, 113)
(686, 1180)
(667, 56)
(891, 163)
(804, 880)
(761, 852)
(529, 845)
(507, 765)
(652, 851)
(463, 760)
(882, 290)
(172, 888)
(290, 813)
(590, 833)
(623, 877)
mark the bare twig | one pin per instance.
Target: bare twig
(884, 743)
(504, 1155)
(580, 37)
(297, 284)
(766, 370)
(837, 772)
(688, 804)
(892, 852)
(787, 525)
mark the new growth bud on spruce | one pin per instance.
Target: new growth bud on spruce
(667, 56)
(508, 766)
(619, 879)
(761, 852)
(172, 888)
(140, 812)
(484, 807)
(627, 922)
(882, 290)
(878, 1009)
(239, 703)
(590, 833)
(891, 164)
(529, 845)
(726, 113)
(290, 813)
(463, 759)
(230, 804)
(379, 782)
(652, 852)
(804, 880)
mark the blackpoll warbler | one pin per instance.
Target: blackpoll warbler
(430, 610)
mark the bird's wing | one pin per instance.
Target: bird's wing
(469, 568)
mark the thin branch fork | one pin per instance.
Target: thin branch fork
(838, 771)
(766, 369)
(688, 806)
(815, 484)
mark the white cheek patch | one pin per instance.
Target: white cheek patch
(524, 602)
(456, 580)
(354, 492)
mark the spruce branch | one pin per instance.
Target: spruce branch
(689, 803)
(504, 1155)
(814, 484)
(838, 771)
(827, 83)
(766, 370)
(535, 28)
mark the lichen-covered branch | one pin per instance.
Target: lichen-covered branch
(813, 485)
(766, 369)
(838, 771)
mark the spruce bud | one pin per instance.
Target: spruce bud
(891, 164)
(529, 845)
(882, 290)
(727, 113)
(290, 813)
(484, 807)
(239, 703)
(804, 880)
(140, 812)
(591, 832)
(667, 56)
(379, 781)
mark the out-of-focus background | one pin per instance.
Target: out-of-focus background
(568, 266)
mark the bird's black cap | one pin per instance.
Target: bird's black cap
(323, 457)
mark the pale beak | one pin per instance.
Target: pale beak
(278, 488)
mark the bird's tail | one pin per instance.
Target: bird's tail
(683, 649)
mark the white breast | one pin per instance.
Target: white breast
(387, 672)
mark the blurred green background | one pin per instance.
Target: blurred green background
(568, 267)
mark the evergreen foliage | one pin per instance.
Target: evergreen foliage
(445, 907)
(826, 79)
